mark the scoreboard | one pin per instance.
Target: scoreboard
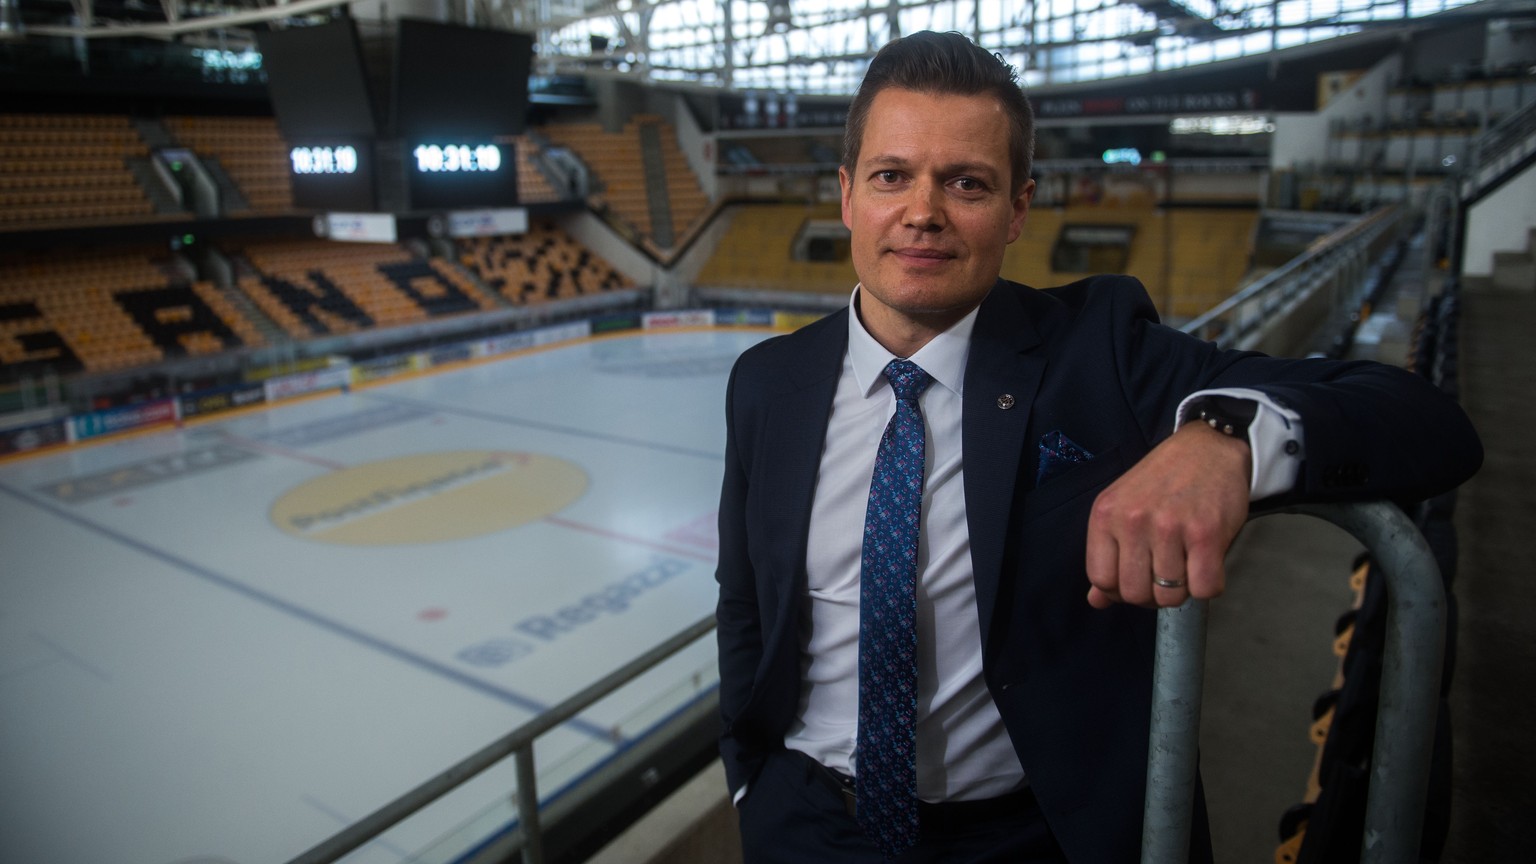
(332, 174)
(462, 174)
(459, 94)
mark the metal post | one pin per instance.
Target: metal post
(1410, 677)
(528, 807)
(1406, 711)
(1178, 674)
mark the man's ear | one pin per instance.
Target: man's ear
(1021, 204)
(846, 183)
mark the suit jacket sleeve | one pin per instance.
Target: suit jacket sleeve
(1073, 683)
(1371, 430)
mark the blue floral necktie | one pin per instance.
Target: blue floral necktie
(887, 742)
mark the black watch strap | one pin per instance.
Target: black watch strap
(1226, 414)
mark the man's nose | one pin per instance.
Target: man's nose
(925, 206)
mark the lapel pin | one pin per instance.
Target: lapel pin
(1005, 401)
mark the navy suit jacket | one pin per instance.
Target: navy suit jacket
(1089, 360)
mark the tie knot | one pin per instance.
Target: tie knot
(907, 378)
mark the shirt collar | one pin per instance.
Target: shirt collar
(943, 358)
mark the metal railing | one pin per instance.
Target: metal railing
(1404, 726)
(519, 743)
(1500, 150)
(1341, 259)
(1406, 708)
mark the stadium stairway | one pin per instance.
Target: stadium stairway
(231, 199)
(657, 195)
(154, 188)
(1515, 269)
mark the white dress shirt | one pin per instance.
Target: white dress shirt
(963, 750)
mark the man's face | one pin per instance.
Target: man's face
(930, 209)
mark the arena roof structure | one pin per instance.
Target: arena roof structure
(794, 46)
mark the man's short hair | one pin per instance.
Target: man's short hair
(945, 63)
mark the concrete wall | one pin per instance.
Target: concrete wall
(697, 146)
(592, 232)
(1499, 223)
(1508, 45)
(1189, 186)
(1302, 139)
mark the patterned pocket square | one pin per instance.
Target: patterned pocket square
(1057, 454)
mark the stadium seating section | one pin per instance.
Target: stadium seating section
(315, 287)
(251, 151)
(1190, 258)
(614, 158)
(542, 265)
(533, 187)
(98, 311)
(61, 169)
(755, 253)
(102, 311)
(111, 311)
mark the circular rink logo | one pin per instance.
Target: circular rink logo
(429, 498)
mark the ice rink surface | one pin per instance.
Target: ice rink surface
(226, 642)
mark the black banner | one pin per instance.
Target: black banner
(224, 399)
(27, 438)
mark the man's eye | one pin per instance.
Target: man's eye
(968, 184)
(887, 176)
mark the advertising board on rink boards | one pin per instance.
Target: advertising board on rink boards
(110, 420)
(288, 386)
(224, 399)
(674, 320)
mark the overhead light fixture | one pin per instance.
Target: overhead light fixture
(780, 20)
(1232, 124)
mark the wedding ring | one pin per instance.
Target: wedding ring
(1168, 583)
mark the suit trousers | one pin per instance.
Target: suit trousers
(795, 813)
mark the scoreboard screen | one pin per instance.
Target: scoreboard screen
(316, 81)
(459, 174)
(461, 83)
(332, 174)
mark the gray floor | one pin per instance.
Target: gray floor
(1493, 693)
(1269, 650)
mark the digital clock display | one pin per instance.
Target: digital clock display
(332, 174)
(449, 171)
(324, 160)
(455, 158)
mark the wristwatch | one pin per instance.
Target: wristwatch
(1225, 414)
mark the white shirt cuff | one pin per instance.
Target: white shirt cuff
(1275, 438)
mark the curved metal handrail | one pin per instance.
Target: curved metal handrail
(1342, 257)
(519, 743)
(1406, 710)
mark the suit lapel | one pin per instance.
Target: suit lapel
(1000, 371)
(795, 426)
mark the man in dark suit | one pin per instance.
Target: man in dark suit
(1061, 501)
